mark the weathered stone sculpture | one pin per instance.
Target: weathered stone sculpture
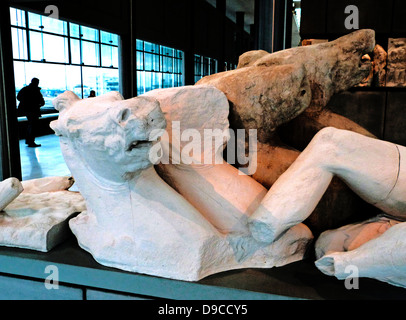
(382, 258)
(367, 82)
(134, 220)
(352, 236)
(217, 189)
(36, 212)
(396, 74)
(380, 62)
(47, 184)
(9, 190)
(283, 95)
(268, 90)
(374, 169)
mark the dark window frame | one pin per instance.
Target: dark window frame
(27, 29)
(204, 66)
(177, 64)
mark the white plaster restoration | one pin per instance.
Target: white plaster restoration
(36, 218)
(135, 221)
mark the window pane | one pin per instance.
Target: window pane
(151, 47)
(148, 81)
(156, 80)
(213, 66)
(51, 85)
(17, 17)
(89, 33)
(167, 51)
(168, 80)
(179, 54)
(163, 66)
(100, 80)
(178, 80)
(205, 66)
(140, 83)
(74, 30)
(54, 25)
(167, 64)
(178, 68)
(55, 48)
(110, 80)
(19, 40)
(39, 22)
(107, 56)
(75, 51)
(140, 45)
(36, 46)
(140, 60)
(109, 38)
(73, 79)
(34, 21)
(198, 66)
(151, 62)
(115, 57)
(90, 53)
(58, 77)
(91, 81)
(20, 75)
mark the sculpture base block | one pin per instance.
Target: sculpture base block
(39, 221)
(187, 261)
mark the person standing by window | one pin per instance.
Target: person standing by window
(31, 100)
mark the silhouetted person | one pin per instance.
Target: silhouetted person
(31, 100)
(92, 94)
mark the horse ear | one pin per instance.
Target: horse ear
(65, 100)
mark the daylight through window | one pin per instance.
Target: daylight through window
(63, 55)
(158, 67)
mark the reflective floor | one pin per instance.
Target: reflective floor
(45, 161)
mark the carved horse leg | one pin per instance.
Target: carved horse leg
(371, 168)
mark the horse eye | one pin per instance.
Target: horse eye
(124, 115)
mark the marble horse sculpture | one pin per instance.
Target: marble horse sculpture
(134, 220)
(292, 86)
(373, 169)
(284, 96)
(34, 213)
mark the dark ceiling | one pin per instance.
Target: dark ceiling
(233, 6)
(246, 6)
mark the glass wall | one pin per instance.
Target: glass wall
(204, 66)
(158, 67)
(229, 66)
(296, 17)
(63, 55)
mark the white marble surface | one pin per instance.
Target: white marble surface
(135, 221)
(37, 218)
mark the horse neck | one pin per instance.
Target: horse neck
(111, 202)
